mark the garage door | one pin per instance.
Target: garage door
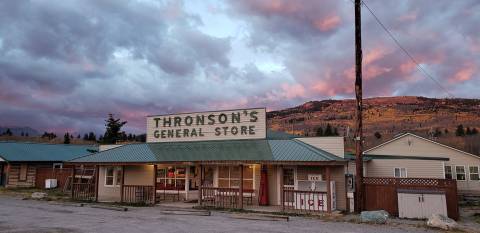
(421, 203)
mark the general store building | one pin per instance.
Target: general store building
(220, 159)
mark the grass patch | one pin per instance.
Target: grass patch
(26, 193)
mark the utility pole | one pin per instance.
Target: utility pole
(359, 192)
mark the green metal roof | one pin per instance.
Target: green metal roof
(228, 150)
(272, 134)
(38, 152)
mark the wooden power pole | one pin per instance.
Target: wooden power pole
(359, 192)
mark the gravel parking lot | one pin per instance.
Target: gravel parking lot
(39, 216)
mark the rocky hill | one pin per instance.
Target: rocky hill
(386, 117)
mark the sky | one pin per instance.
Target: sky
(65, 66)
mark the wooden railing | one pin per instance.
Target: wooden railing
(225, 197)
(167, 191)
(139, 194)
(304, 201)
(83, 191)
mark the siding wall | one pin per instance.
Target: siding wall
(107, 194)
(415, 168)
(334, 145)
(413, 146)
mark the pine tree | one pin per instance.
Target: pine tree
(85, 137)
(328, 130)
(92, 136)
(469, 132)
(474, 131)
(66, 138)
(378, 135)
(335, 132)
(113, 130)
(22, 134)
(319, 132)
(26, 134)
(78, 136)
(8, 132)
(460, 131)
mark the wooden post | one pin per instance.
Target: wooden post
(97, 169)
(200, 194)
(122, 183)
(282, 196)
(358, 95)
(155, 184)
(73, 182)
(329, 190)
(240, 188)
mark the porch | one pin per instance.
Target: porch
(251, 186)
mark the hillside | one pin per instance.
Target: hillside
(388, 116)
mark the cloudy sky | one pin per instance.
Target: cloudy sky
(66, 65)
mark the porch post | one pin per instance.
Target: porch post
(97, 169)
(187, 181)
(200, 194)
(73, 181)
(155, 184)
(240, 188)
(329, 191)
(282, 194)
(122, 183)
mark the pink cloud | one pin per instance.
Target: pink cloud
(464, 74)
(291, 91)
(327, 24)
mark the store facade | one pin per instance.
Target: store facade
(221, 159)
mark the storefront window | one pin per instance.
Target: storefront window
(174, 177)
(229, 177)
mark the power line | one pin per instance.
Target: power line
(419, 67)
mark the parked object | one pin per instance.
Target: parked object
(421, 204)
(50, 183)
(39, 195)
(441, 221)
(376, 216)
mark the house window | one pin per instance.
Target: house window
(22, 176)
(172, 177)
(400, 172)
(113, 176)
(448, 172)
(229, 177)
(460, 171)
(473, 170)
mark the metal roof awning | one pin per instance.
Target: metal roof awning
(227, 151)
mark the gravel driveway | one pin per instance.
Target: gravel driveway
(39, 216)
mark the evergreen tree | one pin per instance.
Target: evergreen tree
(460, 131)
(113, 129)
(85, 137)
(474, 131)
(446, 131)
(66, 138)
(469, 132)
(378, 135)
(8, 132)
(92, 136)
(328, 130)
(26, 134)
(319, 132)
(437, 133)
(335, 132)
(78, 136)
(22, 134)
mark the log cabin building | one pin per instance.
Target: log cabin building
(25, 164)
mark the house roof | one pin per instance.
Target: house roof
(40, 152)
(273, 134)
(368, 157)
(422, 138)
(225, 150)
